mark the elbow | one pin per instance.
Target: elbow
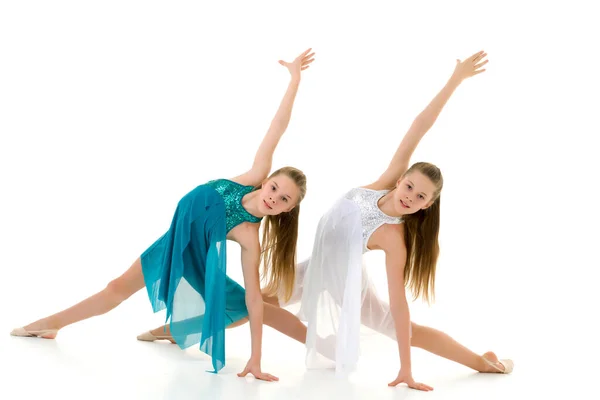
(280, 122)
(423, 122)
(399, 309)
(253, 301)
(278, 128)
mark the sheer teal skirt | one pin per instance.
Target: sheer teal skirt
(185, 273)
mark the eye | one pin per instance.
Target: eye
(284, 199)
(421, 197)
(273, 187)
(408, 186)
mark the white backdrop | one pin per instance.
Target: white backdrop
(111, 111)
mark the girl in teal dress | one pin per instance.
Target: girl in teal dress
(184, 270)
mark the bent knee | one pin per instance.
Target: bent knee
(415, 331)
(273, 300)
(118, 290)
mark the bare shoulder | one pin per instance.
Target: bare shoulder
(389, 238)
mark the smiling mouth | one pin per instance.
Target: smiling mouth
(404, 204)
(268, 206)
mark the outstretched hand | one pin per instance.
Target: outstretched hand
(253, 367)
(407, 378)
(299, 64)
(470, 66)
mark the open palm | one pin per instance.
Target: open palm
(299, 64)
(471, 66)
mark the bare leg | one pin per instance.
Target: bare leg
(285, 322)
(114, 294)
(443, 345)
(377, 316)
(163, 332)
(273, 316)
(429, 339)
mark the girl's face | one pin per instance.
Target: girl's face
(414, 192)
(278, 194)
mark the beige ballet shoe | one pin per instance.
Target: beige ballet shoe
(44, 334)
(149, 337)
(507, 364)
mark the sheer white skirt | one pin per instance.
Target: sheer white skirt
(335, 293)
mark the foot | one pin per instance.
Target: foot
(157, 334)
(491, 364)
(40, 329)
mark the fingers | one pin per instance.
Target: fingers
(305, 64)
(411, 384)
(476, 56)
(307, 60)
(303, 55)
(477, 72)
(259, 375)
(267, 377)
(303, 59)
(472, 65)
(305, 52)
(422, 386)
(481, 64)
(480, 57)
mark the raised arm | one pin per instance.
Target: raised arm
(425, 120)
(264, 155)
(250, 251)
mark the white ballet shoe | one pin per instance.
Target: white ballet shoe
(149, 337)
(44, 334)
(507, 365)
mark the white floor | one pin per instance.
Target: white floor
(94, 360)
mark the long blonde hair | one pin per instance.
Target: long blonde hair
(421, 238)
(280, 236)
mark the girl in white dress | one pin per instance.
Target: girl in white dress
(399, 214)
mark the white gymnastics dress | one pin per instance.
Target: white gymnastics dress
(336, 296)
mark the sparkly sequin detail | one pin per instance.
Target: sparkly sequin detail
(371, 215)
(232, 193)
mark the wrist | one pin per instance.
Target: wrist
(455, 80)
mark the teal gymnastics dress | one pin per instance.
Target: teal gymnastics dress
(185, 269)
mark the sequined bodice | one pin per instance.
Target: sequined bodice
(371, 216)
(232, 193)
